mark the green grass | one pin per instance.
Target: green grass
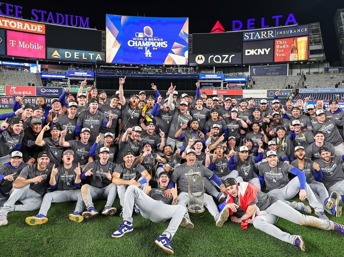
(62, 237)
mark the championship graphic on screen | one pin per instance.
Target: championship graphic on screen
(146, 40)
(291, 49)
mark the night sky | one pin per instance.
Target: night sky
(202, 14)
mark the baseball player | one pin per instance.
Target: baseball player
(28, 188)
(65, 181)
(155, 206)
(274, 175)
(333, 179)
(96, 178)
(179, 176)
(248, 205)
(8, 173)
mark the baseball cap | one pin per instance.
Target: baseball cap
(137, 129)
(68, 151)
(228, 99)
(275, 101)
(71, 104)
(16, 154)
(117, 92)
(214, 110)
(275, 113)
(36, 121)
(215, 98)
(82, 95)
(230, 182)
(295, 122)
(324, 149)
(184, 95)
(232, 137)
(104, 149)
(234, 110)
(166, 100)
(142, 92)
(263, 101)
(42, 154)
(85, 129)
(272, 142)
(269, 153)
(175, 92)
(243, 149)
(54, 128)
(107, 134)
(333, 101)
(150, 97)
(16, 120)
(319, 112)
(216, 126)
(190, 151)
(54, 100)
(299, 147)
(184, 103)
(280, 128)
(129, 153)
(310, 106)
(114, 96)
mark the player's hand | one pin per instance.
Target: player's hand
(46, 127)
(64, 132)
(168, 193)
(77, 170)
(302, 195)
(235, 219)
(4, 125)
(54, 170)
(234, 207)
(108, 175)
(161, 133)
(121, 81)
(174, 191)
(153, 86)
(10, 177)
(207, 151)
(89, 173)
(316, 166)
(99, 137)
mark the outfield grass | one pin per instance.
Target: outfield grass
(62, 237)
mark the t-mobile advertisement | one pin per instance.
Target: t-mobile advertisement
(146, 40)
(258, 52)
(25, 45)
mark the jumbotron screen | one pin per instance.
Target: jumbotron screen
(147, 40)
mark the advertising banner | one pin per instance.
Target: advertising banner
(49, 91)
(216, 59)
(269, 70)
(21, 25)
(6, 102)
(215, 76)
(273, 33)
(83, 74)
(147, 40)
(248, 93)
(2, 89)
(284, 93)
(291, 49)
(2, 42)
(25, 45)
(20, 91)
(258, 52)
(74, 55)
(228, 92)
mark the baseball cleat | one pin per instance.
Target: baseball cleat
(187, 223)
(76, 217)
(36, 220)
(163, 242)
(299, 243)
(339, 207)
(124, 228)
(91, 212)
(338, 227)
(223, 217)
(109, 211)
(332, 200)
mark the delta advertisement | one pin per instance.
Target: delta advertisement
(146, 40)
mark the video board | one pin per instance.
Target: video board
(147, 40)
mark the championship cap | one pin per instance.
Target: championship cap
(109, 134)
(263, 101)
(82, 95)
(16, 154)
(215, 98)
(104, 149)
(272, 142)
(230, 182)
(324, 149)
(275, 101)
(184, 103)
(36, 121)
(295, 122)
(142, 92)
(269, 153)
(275, 113)
(85, 130)
(299, 147)
(231, 137)
(190, 151)
(42, 154)
(68, 151)
(184, 95)
(319, 112)
(175, 92)
(54, 100)
(71, 104)
(216, 126)
(243, 149)
(310, 106)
